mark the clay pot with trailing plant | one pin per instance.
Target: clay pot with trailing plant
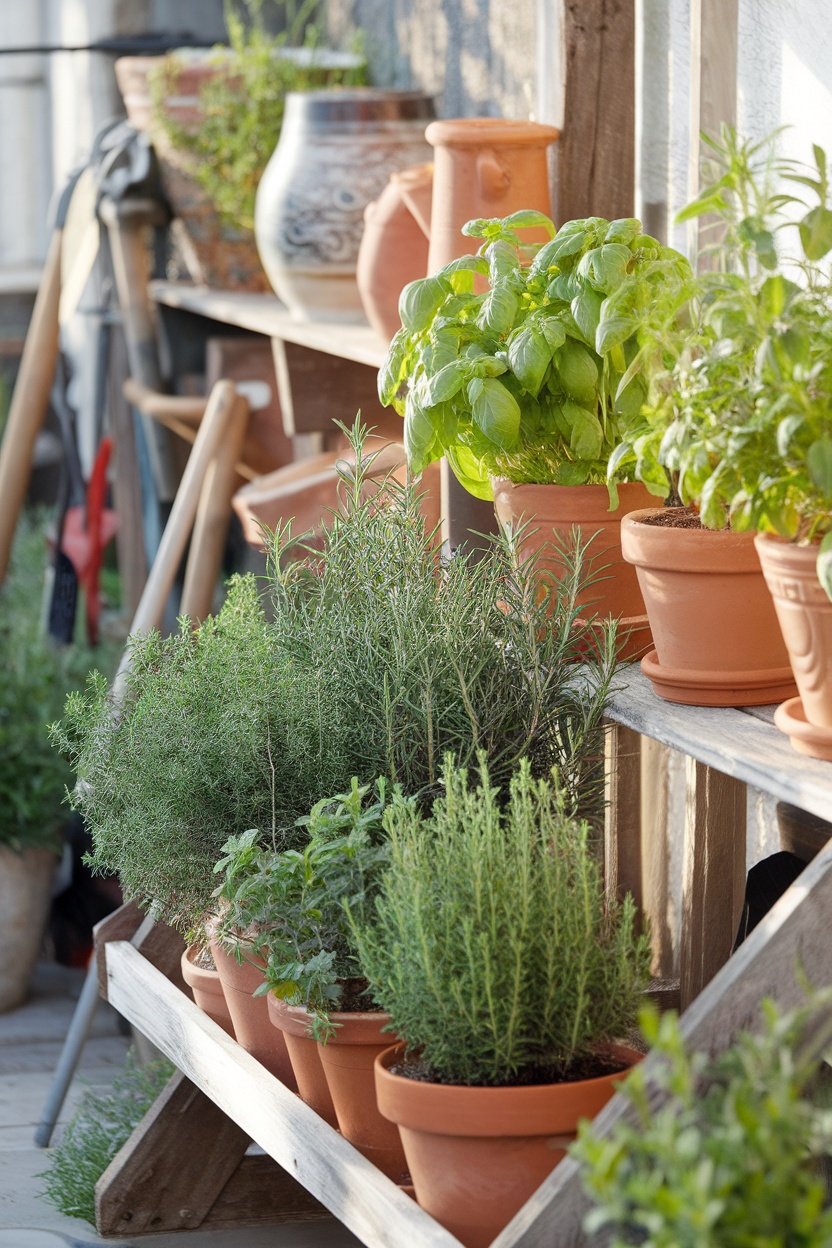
(516, 365)
(200, 974)
(737, 421)
(480, 907)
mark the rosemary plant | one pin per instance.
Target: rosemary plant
(492, 945)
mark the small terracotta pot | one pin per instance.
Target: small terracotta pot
(295, 1022)
(394, 246)
(805, 616)
(348, 1057)
(476, 1155)
(716, 635)
(207, 989)
(552, 512)
(250, 1015)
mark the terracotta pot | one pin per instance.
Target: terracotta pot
(295, 1022)
(715, 632)
(250, 1015)
(207, 989)
(348, 1058)
(805, 616)
(484, 167)
(394, 246)
(336, 152)
(25, 891)
(552, 512)
(476, 1155)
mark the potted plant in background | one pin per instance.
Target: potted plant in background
(215, 119)
(525, 385)
(725, 1152)
(739, 424)
(507, 975)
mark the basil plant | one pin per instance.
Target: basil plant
(516, 361)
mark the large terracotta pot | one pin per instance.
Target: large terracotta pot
(336, 152)
(217, 253)
(476, 1155)
(25, 890)
(805, 616)
(482, 167)
(250, 1015)
(295, 1022)
(394, 246)
(348, 1058)
(552, 512)
(716, 635)
(207, 989)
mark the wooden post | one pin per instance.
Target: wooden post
(655, 857)
(622, 823)
(596, 151)
(714, 874)
(713, 88)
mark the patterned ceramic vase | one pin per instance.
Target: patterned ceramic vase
(336, 152)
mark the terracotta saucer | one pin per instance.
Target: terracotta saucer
(805, 737)
(704, 688)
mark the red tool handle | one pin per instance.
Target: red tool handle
(96, 492)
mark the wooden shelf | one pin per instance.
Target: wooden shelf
(265, 314)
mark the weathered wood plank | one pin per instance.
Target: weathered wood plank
(796, 932)
(172, 1169)
(357, 1193)
(259, 1193)
(160, 945)
(714, 874)
(622, 823)
(740, 744)
(655, 858)
(596, 151)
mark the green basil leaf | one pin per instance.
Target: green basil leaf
(503, 260)
(565, 287)
(392, 370)
(495, 411)
(586, 309)
(816, 232)
(578, 373)
(529, 355)
(488, 365)
(819, 464)
(824, 565)
(419, 436)
(786, 430)
(421, 300)
(605, 267)
(470, 472)
(568, 473)
(445, 384)
(498, 310)
(623, 230)
(529, 219)
(553, 331)
(587, 436)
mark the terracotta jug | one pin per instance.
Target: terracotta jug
(394, 245)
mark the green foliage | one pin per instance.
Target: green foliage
(529, 379)
(719, 1155)
(492, 945)
(212, 735)
(35, 678)
(103, 1122)
(739, 417)
(290, 906)
(242, 105)
(410, 655)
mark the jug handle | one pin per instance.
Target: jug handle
(494, 178)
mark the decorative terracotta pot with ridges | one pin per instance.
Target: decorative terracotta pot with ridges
(552, 511)
(250, 1015)
(805, 615)
(348, 1057)
(207, 989)
(476, 1155)
(295, 1022)
(715, 631)
(394, 246)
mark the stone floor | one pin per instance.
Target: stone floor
(30, 1042)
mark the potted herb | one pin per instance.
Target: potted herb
(525, 384)
(724, 1152)
(508, 975)
(738, 424)
(215, 119)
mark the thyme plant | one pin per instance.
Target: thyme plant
(412, 656)
(213, 734)
(720, 1154)
(492, 944)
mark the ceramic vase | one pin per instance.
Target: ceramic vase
(336, 152)
(25, 890)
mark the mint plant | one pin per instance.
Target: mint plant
(528, 378)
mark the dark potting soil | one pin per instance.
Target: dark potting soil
(354, 999)
(593, 1066)
(678, 518)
